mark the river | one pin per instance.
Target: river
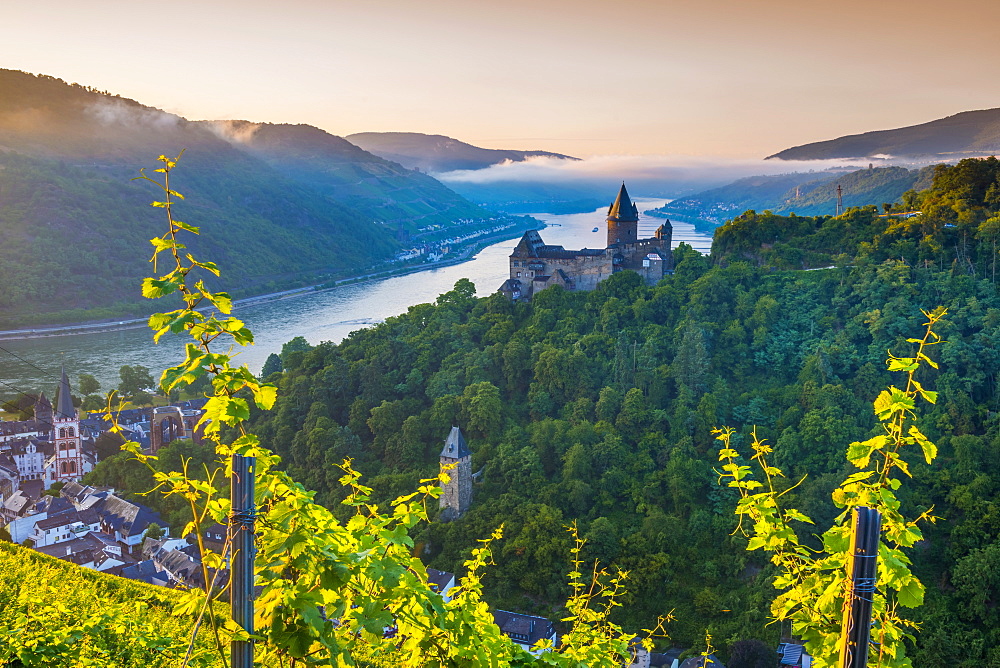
(33, 364)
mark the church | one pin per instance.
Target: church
(535, 266)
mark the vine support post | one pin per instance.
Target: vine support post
(862, 575)
(241, 540)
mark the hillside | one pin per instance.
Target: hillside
(90, 618)
(806, 194)
(341, 171)
(437, 153)
(306, 205)
(964, 134)
(597, 408)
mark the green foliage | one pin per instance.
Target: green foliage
(815, 586)
(136, 382)
(329, 587)
(55, 614)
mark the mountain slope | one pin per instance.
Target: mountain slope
(292, 205)
(806, 194)
(967, 133)
(437, 153)
(342, 171)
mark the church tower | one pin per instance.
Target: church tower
(623, 220)
(66, 441)
(456, 494)
(43, 412)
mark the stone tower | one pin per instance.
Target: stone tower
(66, 441)
(623, 220)
(456, 494)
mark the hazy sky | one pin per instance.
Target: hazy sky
(585, 77)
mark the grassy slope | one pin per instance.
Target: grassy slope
(58, 596)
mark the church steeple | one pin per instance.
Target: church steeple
(64, 400)
(623, 219)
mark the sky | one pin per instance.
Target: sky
(723, 78)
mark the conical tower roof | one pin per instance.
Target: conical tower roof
(455, 446)
(64, 400)
(623, 210)
(43, 400)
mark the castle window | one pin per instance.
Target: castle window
(519, 274)
(62, 467)
(70, 432)
(72, 467)
(62, 447)
(62, 432)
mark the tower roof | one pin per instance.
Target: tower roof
(455, 446)
(623, 210)
(43, 400)
(64, 400)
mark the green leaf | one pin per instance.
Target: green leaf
(153, 288)
(911, 594)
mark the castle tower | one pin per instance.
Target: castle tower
(623, 220)
(456, 494)
(66, 441)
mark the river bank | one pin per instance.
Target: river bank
(81, 328)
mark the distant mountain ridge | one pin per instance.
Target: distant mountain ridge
(438, 153)
(969, 133)
(805, 194)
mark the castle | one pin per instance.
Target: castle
(535, 266)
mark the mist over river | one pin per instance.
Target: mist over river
(329, 315)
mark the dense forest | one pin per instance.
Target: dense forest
(597, 408)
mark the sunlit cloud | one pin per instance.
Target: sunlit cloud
(645, 171)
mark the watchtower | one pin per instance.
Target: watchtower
(456, 494)
(623, 220)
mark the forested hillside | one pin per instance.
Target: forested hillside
(304, 204)
(597, 408)
(805, 194)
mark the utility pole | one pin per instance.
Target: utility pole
(840, 200)
(862, 573)
(242, 551)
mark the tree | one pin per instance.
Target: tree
(136, 384)
(751, 654)
(154, 531)
(88, 384)
(272, 365)
(292, 352)
(108, 444)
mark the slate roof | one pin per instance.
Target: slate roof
(438, 580)
(64, 409)
(17, 502)
(455, 446)
(20, 427)
(7, 465)
(525, 629)
(623, 210)
(32, 489)
(127, 518)
(145, 571)
(52, 505)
